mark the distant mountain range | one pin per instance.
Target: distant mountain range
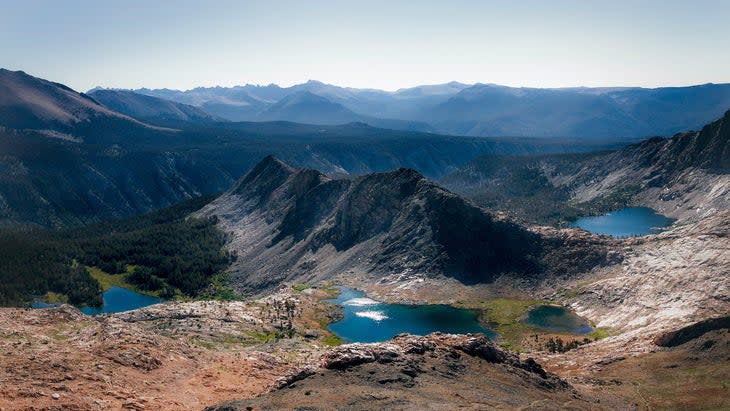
(68, 158)
(472, 110)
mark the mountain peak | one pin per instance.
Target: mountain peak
(306, 107)
(307, 227)
(303, 95)
(265, 177)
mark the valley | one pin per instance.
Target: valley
(277, 263)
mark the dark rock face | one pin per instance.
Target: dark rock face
(439, 371)
(300, 225)
(708, 149)
(691, 332)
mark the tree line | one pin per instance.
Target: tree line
(168, 250)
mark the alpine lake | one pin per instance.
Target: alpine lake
(367, 320)
(627, 222)
(115, 300)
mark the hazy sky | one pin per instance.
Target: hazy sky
(381, 44)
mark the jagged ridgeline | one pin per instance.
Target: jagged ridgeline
(163, 252)
(299, 225)
(555, 188)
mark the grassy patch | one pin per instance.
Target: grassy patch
(331, 340)
(202, 343)
(219, 289)
(55, 298)
(64, 331)
(108, 281)
(505, 311)
(568, 292)
(599, 333)
(301, 287)
(329, 290)
(263, 337)
(503, 315)
(619, 198)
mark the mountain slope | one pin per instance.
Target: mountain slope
(149, 108)
(498, 110)
(298, 225)
(308, 108)
(632, 112)
(27, 102)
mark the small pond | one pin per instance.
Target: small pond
(557, 319)
(116, 300)
(367, 320)
(634, 221)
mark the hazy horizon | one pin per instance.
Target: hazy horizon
(243, 84)
(381, 45)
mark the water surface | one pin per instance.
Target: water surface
(634, 221)
(116, 300)
(557, 319)
(367, 320)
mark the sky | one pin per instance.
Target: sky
(388, 45)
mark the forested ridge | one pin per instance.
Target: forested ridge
(168, 252)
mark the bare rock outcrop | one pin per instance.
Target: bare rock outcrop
(438, 371)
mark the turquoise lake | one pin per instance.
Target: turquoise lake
(557, 319)
(367, 320)
(634, 221)
(116, 300)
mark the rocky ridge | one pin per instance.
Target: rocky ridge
(685, 177)
(300, 226)
(437, 372)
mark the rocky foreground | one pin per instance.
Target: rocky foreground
(182, 356)
(176, 356)
(436, 372)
